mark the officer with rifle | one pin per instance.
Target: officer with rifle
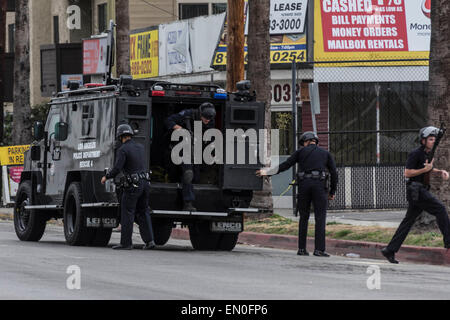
(316, 165)
(419, 167)
(135, 197)
(206, 113)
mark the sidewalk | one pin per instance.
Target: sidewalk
(370, 218)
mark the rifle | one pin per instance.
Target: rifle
(430, 156)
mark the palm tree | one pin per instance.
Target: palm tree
(439, 95)
(259, 74)
(123, 38)
(22, 109)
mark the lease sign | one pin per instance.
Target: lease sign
(371, 29)
(144, 53)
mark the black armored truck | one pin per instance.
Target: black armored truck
(64, 166)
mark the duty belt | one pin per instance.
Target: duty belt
(418, 184)
(134, 178)
(320, 175)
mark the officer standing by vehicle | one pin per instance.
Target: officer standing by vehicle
(135, 197)
(313, 163)
(206, 113)
(418, 194)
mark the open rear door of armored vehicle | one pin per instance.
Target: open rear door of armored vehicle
(244, 121)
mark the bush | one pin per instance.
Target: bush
(38, 113)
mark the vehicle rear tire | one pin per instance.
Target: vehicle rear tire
(28, 224)
(227, 241)
(75, 230)
(161, 231)
(202, 238)
(101, 237)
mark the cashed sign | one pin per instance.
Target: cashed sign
(371, 29)
(144, 53)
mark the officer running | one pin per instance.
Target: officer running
(206, 113)
(135, 197)
(313, 163)
(418, 194)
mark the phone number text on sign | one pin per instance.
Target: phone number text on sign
(276, 56)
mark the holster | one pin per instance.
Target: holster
(414, 190)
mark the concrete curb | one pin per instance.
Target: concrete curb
(370, 250)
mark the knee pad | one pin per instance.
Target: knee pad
(188, 176)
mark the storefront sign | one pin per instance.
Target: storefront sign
(144, 53)
(94, 55)
(348, 30)
(286, 16)
(11, 160)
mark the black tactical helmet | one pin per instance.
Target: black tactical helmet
(208, 111)
(309, 135)
(124, 129)
(428, 132)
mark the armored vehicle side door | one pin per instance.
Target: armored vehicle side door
(54, 178)
(243, 120)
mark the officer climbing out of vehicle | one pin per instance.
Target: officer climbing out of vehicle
(418, 170)
(314, 162)
(135, 198)
(206, 113)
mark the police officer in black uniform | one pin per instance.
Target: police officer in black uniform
(314, 162)
(134, 204)
(418, 194)
(206, 113)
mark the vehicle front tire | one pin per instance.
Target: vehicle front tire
(28, 224)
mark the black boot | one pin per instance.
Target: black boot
(319, 253)
(121, 247)
(149, 245)
(188, 206)
(390, 256)
(302, 252)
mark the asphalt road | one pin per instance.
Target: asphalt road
(175, 271)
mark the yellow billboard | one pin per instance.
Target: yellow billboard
(397, 32)
(144, 53)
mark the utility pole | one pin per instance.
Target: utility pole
(2, 63)
(123, 38)
(258, 72)
(235, 43)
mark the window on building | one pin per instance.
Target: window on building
(11, 30)
(56, 29)
(219, 8)
(192, 10)
(282, 120)
(102, 17)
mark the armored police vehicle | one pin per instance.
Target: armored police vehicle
(72, 150)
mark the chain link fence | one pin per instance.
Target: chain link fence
(375, 111)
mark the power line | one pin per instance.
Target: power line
(161, 9)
